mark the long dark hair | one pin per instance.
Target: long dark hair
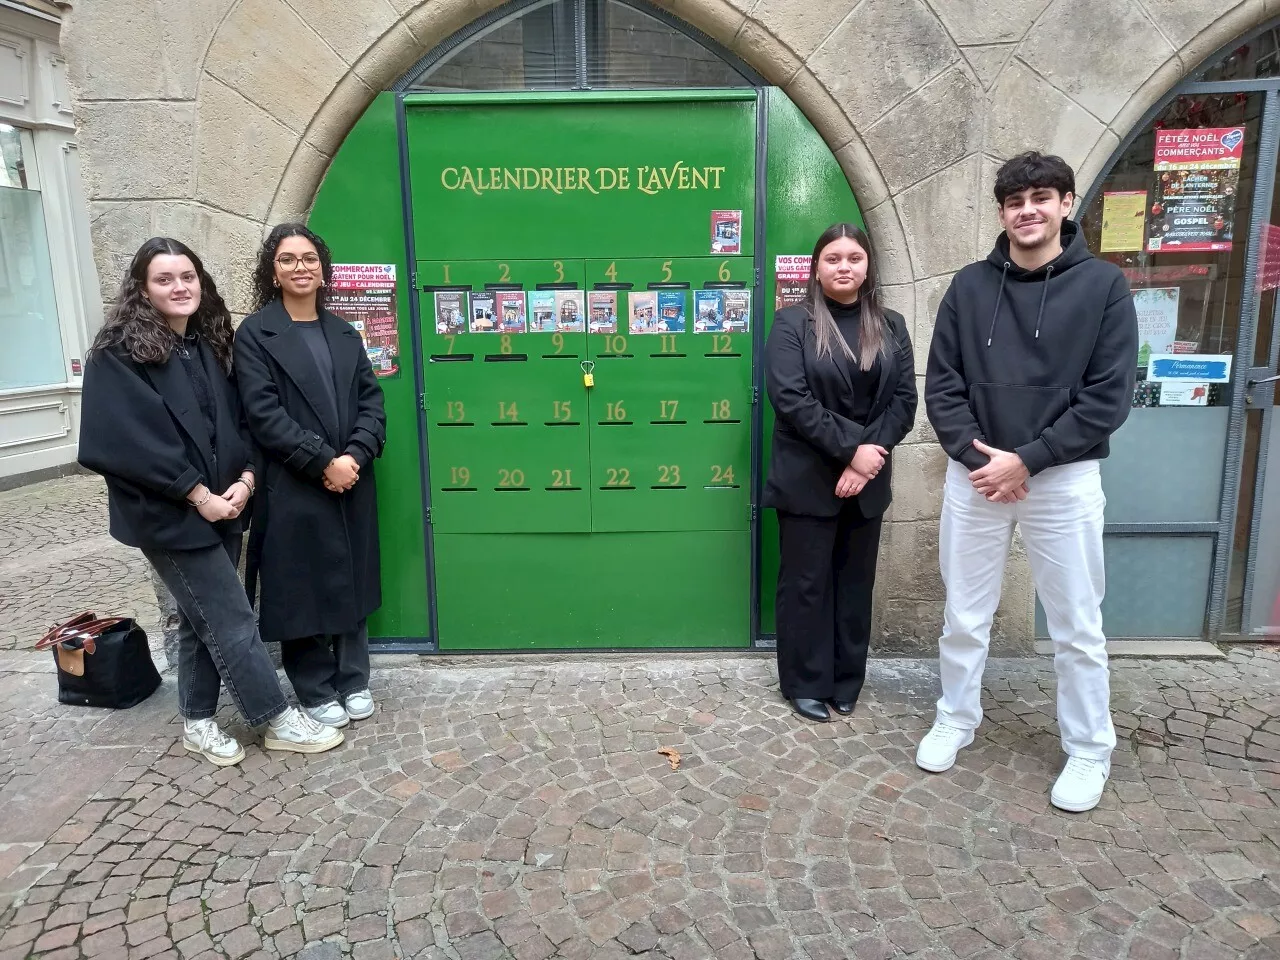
(138, 326)
(871, 334)
(264, 275)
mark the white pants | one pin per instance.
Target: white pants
(1061, 525)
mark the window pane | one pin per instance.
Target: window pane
(1257, 58)
(32, 354)
(13, 171)
(628, 48)
(533, 50)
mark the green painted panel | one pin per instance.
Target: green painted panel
(807, 192)
(358, 211)
(578, 177)
(593, 591)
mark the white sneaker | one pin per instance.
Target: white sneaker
(330, 714)
(359, 705)
(1079, 786)
(937, 751)
(206, 738)
(294, 730)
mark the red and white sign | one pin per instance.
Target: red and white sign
(364, 276)
(1199, 149)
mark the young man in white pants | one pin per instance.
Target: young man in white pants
(1031, 370)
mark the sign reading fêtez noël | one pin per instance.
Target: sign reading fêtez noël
(650, 180)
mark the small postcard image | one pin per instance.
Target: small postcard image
(569, 311)
(671, 311)
(737, 311)
(451, 312)
(726, 231)
(643, 311)
(542, 311)
(708, 311)
(482, 315)
(602, 311)
(509, 307)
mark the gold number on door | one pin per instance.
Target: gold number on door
(506, 273)
(612, 272)
(562, 478)
(511, 478)
(724, 270)
(666, 271)
(668, 411)
(456, 413)
(615, 411)
(721, 343)
(559, 265)
(722, 475)
(720, 410)
(615, 344)
(561, 411)
(618, 477)
(505, 343)
(459, 476)
(669, 476)
(445, 266)
(668, 343)
(507, 411)
(451, 337)
(557, 341)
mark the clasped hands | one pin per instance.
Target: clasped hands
(868, 460)
(341, 474)
(1003, 479)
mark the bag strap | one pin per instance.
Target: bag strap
(85, 627)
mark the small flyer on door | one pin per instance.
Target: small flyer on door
(451, 312)
(1124, 221)
(708, 311)
(510, 310)
(1190, 367)
(671, 311)
(737, 311)
(1157, 310)
(643, 311)
(602, 311)
(1184, 395)
(569, 311)
(364, 294)
(726, 231)
(542, 311)
(1196, 174)
(791, 280)
(482, 315)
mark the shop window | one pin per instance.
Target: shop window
(31, 352)
(577, 45)
(1254, 59)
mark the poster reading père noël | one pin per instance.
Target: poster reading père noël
(1197, 172)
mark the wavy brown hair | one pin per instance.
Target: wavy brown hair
(264, 275)
(136, 325)
(872, 336)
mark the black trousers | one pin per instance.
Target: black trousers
(825, 582)
(329, 667)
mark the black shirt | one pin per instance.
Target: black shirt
(848, 320)
(189, 353)
(313, 336)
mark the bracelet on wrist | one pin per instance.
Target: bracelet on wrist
(247, 482)
(201, 502)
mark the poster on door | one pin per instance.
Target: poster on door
(364, 295)
(1157, 309)
(1124, 220)
(791, 280)
(1197, 172)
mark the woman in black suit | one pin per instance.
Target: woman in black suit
(315, 409)
(161, 421)
(841, 379)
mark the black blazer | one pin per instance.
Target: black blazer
(814, 436)
(142, 429)
(315, 553)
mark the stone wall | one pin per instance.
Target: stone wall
(217, 117)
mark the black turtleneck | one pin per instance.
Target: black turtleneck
(848, 318)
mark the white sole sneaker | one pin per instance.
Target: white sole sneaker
(213, 758)
(336, 722)
(362, 715)
(944, 767)
(321, 746)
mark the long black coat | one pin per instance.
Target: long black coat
(313, 553)
(815, 435)
(142, 429)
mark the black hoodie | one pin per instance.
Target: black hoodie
(1040, 362)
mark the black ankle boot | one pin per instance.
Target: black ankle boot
(811, 709)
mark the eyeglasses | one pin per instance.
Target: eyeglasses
(289, 261)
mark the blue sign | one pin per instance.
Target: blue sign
(1201, 368)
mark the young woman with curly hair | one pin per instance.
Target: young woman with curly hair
(314, 408)
(162, 423)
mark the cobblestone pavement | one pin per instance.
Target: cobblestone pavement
(522, 810)
(56, 559)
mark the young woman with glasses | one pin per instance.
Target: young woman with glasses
(314, 407)
(161, 421)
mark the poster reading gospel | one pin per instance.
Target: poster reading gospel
(364, 294)
(1196, 175)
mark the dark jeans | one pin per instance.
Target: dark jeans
(825, 582)
(218, 638)
(328, 667)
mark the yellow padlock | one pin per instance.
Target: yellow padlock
(588, 377)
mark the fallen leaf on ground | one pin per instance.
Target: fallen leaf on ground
(881, 836)
(672, 755)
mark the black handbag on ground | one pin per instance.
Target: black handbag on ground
(101, 662)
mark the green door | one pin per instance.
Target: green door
(585, 277)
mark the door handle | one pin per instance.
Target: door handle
(1257, 383)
